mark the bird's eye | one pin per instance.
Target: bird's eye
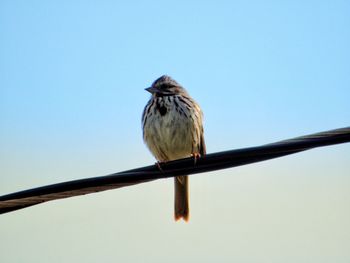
(170, 87)
(166, 87)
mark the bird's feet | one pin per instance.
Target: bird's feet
(158, 164)
(195, 156)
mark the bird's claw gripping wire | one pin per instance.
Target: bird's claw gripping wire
(196, 156)
(158, 164)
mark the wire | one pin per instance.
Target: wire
(210, 162)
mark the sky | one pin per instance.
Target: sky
(72, 80)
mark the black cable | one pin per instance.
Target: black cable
(210, 162)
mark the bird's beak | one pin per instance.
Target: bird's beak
(152, 90)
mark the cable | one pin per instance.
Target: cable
(210, 162)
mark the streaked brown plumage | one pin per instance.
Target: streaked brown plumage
(173, 129)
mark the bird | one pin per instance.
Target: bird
(172, 125)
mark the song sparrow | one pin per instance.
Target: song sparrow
(173, 129)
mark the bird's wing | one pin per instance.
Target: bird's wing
(202, 148)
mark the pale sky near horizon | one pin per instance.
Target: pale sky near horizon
(72, 79)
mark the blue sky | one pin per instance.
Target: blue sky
(72, 84)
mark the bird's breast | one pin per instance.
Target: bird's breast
(169, 132)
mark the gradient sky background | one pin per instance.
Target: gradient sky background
(72, 79)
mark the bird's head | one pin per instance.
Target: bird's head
(166, 86)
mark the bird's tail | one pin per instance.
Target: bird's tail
(181, 198)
